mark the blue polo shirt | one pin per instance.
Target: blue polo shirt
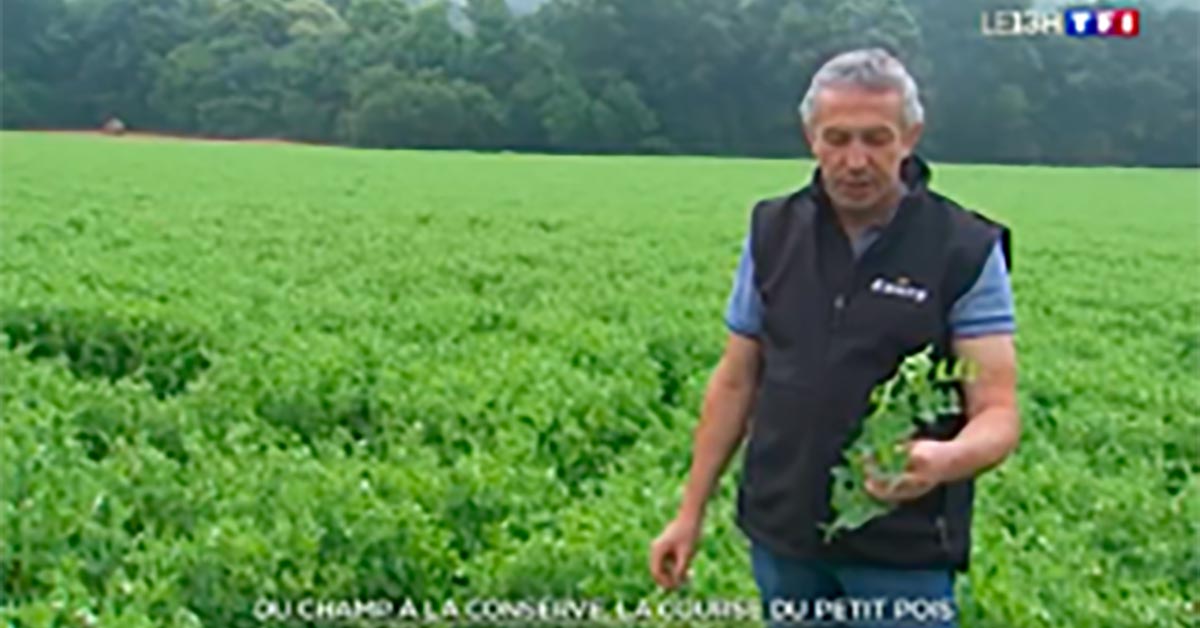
(986, 308)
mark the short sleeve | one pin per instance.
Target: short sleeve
(743, 313)
(987, 308)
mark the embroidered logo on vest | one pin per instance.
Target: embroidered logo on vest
(902, 287)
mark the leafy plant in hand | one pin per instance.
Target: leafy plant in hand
(921, 390)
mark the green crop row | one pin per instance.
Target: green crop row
(107, 347)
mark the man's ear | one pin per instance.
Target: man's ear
(809, 137)
(911, 136)
(804, 131)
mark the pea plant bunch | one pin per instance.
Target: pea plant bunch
(921, 390)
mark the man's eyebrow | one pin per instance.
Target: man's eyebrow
(861, 130)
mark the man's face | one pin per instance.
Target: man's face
(859, 140)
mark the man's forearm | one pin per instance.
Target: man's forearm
(723, 423)
(984, 442)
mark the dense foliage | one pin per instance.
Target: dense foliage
(441, 375)
(679, 76)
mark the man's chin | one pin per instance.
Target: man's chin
(856, 203)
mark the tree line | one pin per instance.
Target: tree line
(596, 76)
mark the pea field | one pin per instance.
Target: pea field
(236, 372)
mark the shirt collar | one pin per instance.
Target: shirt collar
(904, 191)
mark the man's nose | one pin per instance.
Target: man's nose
(856, 157)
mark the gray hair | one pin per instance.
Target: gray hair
(872, 68)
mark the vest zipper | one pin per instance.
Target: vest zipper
(839, 306)
(843, 298)
(943, 536)
(940, 520)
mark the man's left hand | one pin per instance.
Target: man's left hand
(929, 463)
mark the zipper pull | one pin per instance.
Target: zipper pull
(945, 538)
(839, 305)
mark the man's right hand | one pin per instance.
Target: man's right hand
(724, 421)
(671, 553)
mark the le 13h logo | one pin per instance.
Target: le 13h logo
(1092, 22)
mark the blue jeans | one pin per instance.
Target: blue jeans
(816, 593)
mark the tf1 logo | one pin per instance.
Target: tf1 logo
(1102, 22)
(1090, 22)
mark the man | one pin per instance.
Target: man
(837, 283)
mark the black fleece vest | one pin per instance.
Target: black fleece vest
(833, 328)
